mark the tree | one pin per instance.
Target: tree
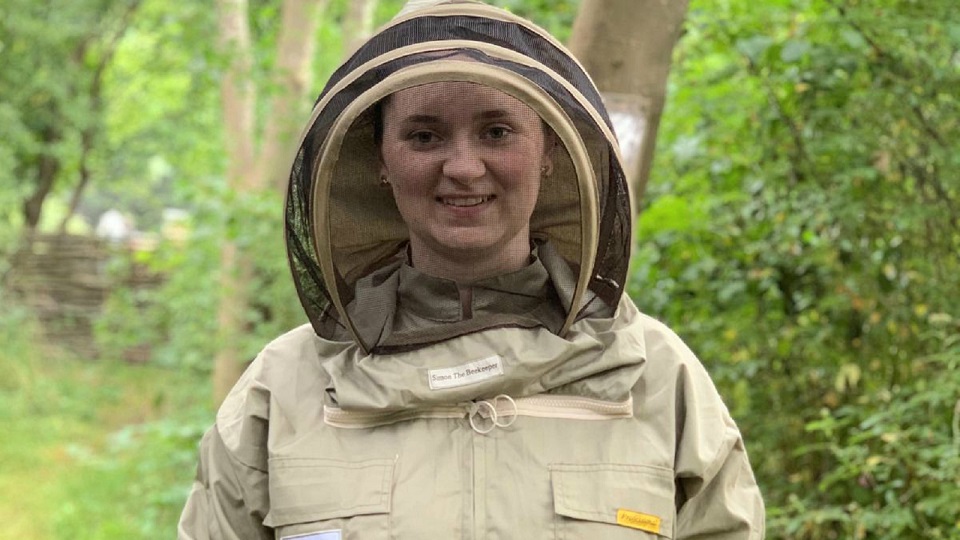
(800, 233)
(358, 23)
(626, 46)
(53, 95)
(253, 166)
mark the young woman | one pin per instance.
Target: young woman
(472, 368)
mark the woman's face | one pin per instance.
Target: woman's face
(464, 161)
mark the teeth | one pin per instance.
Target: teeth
(465, 201)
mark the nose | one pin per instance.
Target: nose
(464, 163)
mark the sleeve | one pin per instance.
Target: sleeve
(230, 496)
(717, 495)
(228, 500)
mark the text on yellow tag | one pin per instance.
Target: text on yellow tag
(638, 520)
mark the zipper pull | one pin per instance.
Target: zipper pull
(488, 409)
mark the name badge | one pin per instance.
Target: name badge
(471, 373)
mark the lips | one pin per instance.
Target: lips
(465, 202)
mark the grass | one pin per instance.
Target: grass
(93, 449)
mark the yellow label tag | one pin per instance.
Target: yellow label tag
(637, 520)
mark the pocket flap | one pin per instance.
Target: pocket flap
(636, 496)
(307, 490)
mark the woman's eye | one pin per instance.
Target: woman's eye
(498, 132)
(423, 137)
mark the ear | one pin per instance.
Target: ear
(384, 172)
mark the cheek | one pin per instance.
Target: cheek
(530, 194)
(412, 191)
(411, 182)
(408, 172)
(520, 175)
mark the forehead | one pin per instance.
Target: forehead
(454, 99)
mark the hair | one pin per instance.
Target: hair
(377, 111)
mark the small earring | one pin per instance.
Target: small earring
(383, 181)
(545, 170)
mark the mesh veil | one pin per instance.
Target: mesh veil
(486, 36)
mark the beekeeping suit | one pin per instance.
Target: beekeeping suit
(539, 404)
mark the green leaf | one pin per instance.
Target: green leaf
(794, 50)
(754, 47)
(853, 38)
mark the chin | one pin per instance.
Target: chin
(464, 237)
(469, 248)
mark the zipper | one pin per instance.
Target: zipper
(499, 410)
(479, 484)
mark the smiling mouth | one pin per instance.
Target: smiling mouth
(464, 202)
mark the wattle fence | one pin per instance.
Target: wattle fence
(65, 280)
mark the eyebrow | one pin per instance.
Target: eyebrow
(422, 119)
(430, 119)
(494, 113)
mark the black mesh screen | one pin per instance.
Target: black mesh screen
(613, 253)
(503, 34)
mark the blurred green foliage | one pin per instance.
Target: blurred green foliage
(92, 450)
(556, 16)
(800, 232)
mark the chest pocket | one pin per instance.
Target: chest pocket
(313, 496)
(612, 501)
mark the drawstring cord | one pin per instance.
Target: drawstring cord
(488, 409)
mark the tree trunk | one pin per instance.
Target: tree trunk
(236, 272)
(626, 46)
(48, 167)
(294, 74)
(250, 171)
(358, 25)
(86, 146)
(238, 98)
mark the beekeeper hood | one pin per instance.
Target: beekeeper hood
(341, 227)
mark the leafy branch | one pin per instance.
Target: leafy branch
(88, 134)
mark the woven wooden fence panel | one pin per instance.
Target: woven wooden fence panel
(64, 280)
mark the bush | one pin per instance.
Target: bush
(894, 468)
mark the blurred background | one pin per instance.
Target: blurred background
(800, 229)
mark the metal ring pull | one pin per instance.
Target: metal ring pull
(477, 409)
(513, 415)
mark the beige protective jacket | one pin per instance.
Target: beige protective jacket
(550, 409)
(615, 431)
